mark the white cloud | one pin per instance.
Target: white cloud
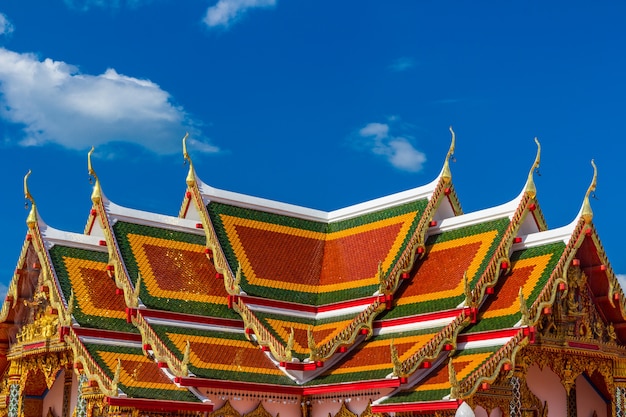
(398, 150)
(5, 26)
(226, 12)
(622, 280)
(402, 64)
(53, 102)
(85, 5)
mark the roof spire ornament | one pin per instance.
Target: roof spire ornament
(523, 309)
(530, 189)
(587, 213)
(191, 177)
(446, 174)
(454, 383)
(96, 195)
(31, 220)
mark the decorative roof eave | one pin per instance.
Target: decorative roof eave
(433, 349)
(526, 205)
(490, 370)
(421, 407)
(107, 385)
(161, 352)
(198, 382)
(100, 210)
(12, 291)
(36, 237)
(146, 404)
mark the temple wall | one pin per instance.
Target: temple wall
(481, 412)
(588, 400)
(54, 397)
(546, 385)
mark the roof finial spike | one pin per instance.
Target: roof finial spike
(31, 220)
(530, 189)
(587, 213)
(191, 178)
(96, 195)
(446, 174)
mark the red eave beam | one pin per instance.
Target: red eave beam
(427, 406)
(145, 404)
(351, 386)
(242, 386)
(313, 390)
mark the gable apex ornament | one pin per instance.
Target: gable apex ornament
(96, 195)
(31, 220)
(191, 176)
(530, 188)
(446, 174)
(587, 213)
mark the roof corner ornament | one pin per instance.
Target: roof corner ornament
(134, 302)
(96, 195)
(314, 351)
(290, 344)
(587, 213)
(381, 278)
(116, 377)
(191, 177)
(467, 290)
(446, 173)
(70, 309)
(530, 189)
(236, 284)
(186, 356)
(454, 383)
(524, 309)
(395, 359)
(31, 220)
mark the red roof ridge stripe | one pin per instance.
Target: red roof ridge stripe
(420, 318)
(147, 404)
(304, 308)
(107, 334)
(189, 318)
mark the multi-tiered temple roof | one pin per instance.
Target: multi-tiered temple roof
(404, 298)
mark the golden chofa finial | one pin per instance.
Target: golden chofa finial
(446, 174)
(191, 178)
(96, 195)
(587, 213)
(31, 220)
(530, 189)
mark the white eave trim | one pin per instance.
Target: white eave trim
(146, 218)
(53, 237)
(561, 234)
(255, 203)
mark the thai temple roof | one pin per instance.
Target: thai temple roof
(405, 293)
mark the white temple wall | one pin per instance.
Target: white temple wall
(588, 400)
(54, 397)
(546, 385)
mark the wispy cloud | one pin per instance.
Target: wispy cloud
(226, 12)
(622, 280)
(397, 150)
(5, 26)
(103, 4)
(402, 64)
(53, 102)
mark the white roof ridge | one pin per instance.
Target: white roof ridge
(147, 218)
(467, 219)
(560, 234)
(292, 210)
(52, 236)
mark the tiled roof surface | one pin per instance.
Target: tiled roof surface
(372, 359)
(437, 282)
(309, 262)
(140, 376)
(323, 330)
(222, 355)
(530, 269)
(176, 274)
(437, 384)
(96, 303)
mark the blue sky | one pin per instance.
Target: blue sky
(317, 103)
